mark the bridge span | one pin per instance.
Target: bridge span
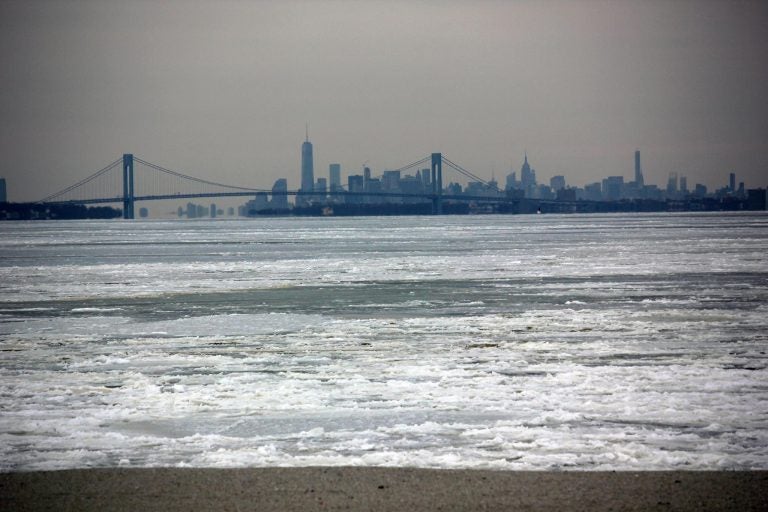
(130, 179)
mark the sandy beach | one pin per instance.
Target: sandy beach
(361, 488)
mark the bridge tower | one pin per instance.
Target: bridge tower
(437, 183)
(128, 186)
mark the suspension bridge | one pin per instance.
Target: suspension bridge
(131, 179)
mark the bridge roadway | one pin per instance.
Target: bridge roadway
(516, 205)
(426, 197)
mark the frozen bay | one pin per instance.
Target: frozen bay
(633, 341)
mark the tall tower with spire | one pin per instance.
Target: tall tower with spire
(527, 178)
(307, 166)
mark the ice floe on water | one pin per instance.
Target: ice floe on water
(506, 342)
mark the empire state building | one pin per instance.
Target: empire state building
(307, 167)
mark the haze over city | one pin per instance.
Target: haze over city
(223, 90)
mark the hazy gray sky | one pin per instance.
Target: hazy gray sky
(222, 90)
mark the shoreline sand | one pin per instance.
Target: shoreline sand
(374, 488)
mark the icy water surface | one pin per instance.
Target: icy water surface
(508, 342)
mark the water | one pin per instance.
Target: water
(507, 342)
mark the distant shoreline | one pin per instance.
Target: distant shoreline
(373, 488)
(74, 211)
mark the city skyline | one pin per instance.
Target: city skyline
(393, 192)
(638, 188)
(461, 183)
(224, 90)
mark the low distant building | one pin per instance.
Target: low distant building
(196, 211)
(355, 184)
(613, 187)
(632, 191)
(258, 203)
(373, 185)
(756, 199)
(426, 179)
(390, 181)
(454, 189)
(557, 183)
(321, 189)
(475, 188)
(566, 194)
(593, 192)
(512, 182)
(411, 185)
(653, 192)
(544, 192)
(280, 195)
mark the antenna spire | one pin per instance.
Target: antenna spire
(307, 128)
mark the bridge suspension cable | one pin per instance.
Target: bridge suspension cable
(83, 181)
(163, 183)
(192, 178)
(468, 174)
(414, 164)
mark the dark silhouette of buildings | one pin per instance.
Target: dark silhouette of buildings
(59, 211)
(396, 193)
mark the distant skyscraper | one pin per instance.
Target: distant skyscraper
(593, 192)
(334, 173)
(557, 183)
(732, 182)
(756, 199)
(307, 167)
(3, 192)
(280, 194)
(527, 178)
(355, 184)
(391, 181)
(672, 185)
(425, 179)
(321, 187)
(511, 181)
(638, 170)
(613, 186)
